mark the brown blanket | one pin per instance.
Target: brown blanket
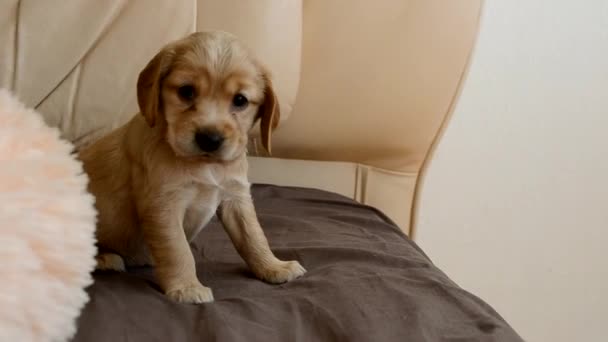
(366, 281)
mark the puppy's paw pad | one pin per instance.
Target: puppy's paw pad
(282, 272)
(110, 262)
(191, 294)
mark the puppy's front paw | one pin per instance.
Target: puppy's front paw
(192, 294)
(281, 272)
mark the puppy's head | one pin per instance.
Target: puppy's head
(206, 91)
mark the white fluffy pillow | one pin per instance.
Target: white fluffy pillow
(47, 223)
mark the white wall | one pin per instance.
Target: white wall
(515, 204)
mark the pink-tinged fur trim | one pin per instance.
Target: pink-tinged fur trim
(47, 226)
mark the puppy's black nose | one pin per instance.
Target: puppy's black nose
(209, 141)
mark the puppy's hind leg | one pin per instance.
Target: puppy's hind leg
(110, 262)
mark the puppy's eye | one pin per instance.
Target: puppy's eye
(186, 92)
(240, 101)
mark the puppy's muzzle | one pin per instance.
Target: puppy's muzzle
(209, 140)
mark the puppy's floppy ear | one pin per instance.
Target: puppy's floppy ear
(268, 113)
(148, 85)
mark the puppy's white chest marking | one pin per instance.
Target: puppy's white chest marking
(209, 176)
(207, 185)
(201, 210)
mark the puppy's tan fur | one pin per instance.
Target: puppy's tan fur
(155, 189)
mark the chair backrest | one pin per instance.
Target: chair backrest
(368, 83)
